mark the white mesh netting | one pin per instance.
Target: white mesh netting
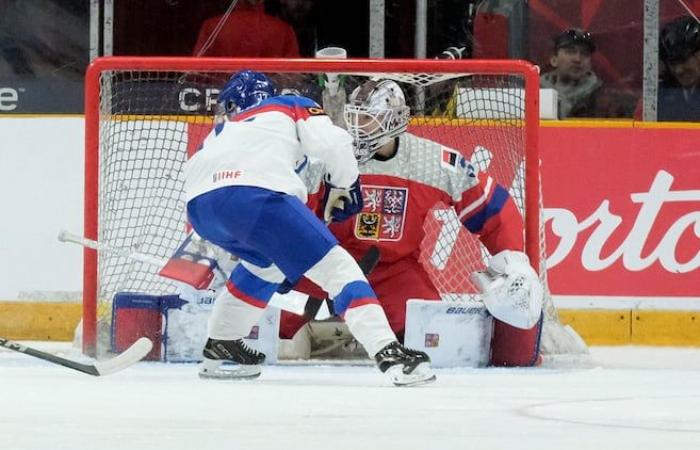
(150, 121)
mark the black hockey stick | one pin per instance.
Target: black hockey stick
(130, 356)
(369, 260)
(367, 264)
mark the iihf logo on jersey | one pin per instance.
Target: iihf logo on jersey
(383, 214)
(226, 175)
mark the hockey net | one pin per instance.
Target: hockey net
(146, 116)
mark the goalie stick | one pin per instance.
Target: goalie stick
(65, 236)
(127, 358)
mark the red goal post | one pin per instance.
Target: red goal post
(131, 109)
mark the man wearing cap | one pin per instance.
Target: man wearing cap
(679, 50)
(572, 77)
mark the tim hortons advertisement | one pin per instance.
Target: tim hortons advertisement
(622, 210)
(622, 207)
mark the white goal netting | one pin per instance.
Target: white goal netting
(151, 119)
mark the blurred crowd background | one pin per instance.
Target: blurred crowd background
(591, 51)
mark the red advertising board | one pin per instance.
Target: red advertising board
(622, 209)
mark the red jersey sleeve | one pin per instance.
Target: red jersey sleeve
(488, 210)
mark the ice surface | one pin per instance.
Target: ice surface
(635, 398)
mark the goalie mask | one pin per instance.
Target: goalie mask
(375, 115)
(242, 91)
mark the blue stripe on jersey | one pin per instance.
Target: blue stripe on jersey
(288, 100)
(352, 291)
(476, 222)
(252, 285)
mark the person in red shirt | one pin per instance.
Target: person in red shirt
(403, 178)
(247, 32)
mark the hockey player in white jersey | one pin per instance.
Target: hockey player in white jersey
(244, 195)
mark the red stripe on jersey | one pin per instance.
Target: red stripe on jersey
(242, 296)
(362, 302)
(475, 198)
(263, 109)
(295, 113)
(504, 231)
(302, 113)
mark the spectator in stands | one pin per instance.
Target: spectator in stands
(679, 90)
(572, 77)
(300, 15)
(247, 30)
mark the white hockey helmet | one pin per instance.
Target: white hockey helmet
(375, 114)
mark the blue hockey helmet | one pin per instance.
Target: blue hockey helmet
(244, 90)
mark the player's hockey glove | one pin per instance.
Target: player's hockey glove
(341, 203)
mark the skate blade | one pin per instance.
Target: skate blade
(422, 374)
(215, 370)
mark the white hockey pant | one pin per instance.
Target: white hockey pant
(241, 303)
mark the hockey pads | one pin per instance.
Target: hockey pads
(341, 203)
(511, 290)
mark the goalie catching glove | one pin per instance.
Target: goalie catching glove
(341, 203)
(511, 290)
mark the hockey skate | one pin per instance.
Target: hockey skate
(217, 352)
(405, 367)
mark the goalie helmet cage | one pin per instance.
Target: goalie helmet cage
(145, 116)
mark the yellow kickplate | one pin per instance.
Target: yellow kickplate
(599, 326)
(666, 328)
(52, 321)
(634, 327)
(56, 321)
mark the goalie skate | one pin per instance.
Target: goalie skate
(404, 366)
(219, 354)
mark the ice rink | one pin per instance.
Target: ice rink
(633, 398)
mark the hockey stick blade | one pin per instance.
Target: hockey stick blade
(127, 358)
